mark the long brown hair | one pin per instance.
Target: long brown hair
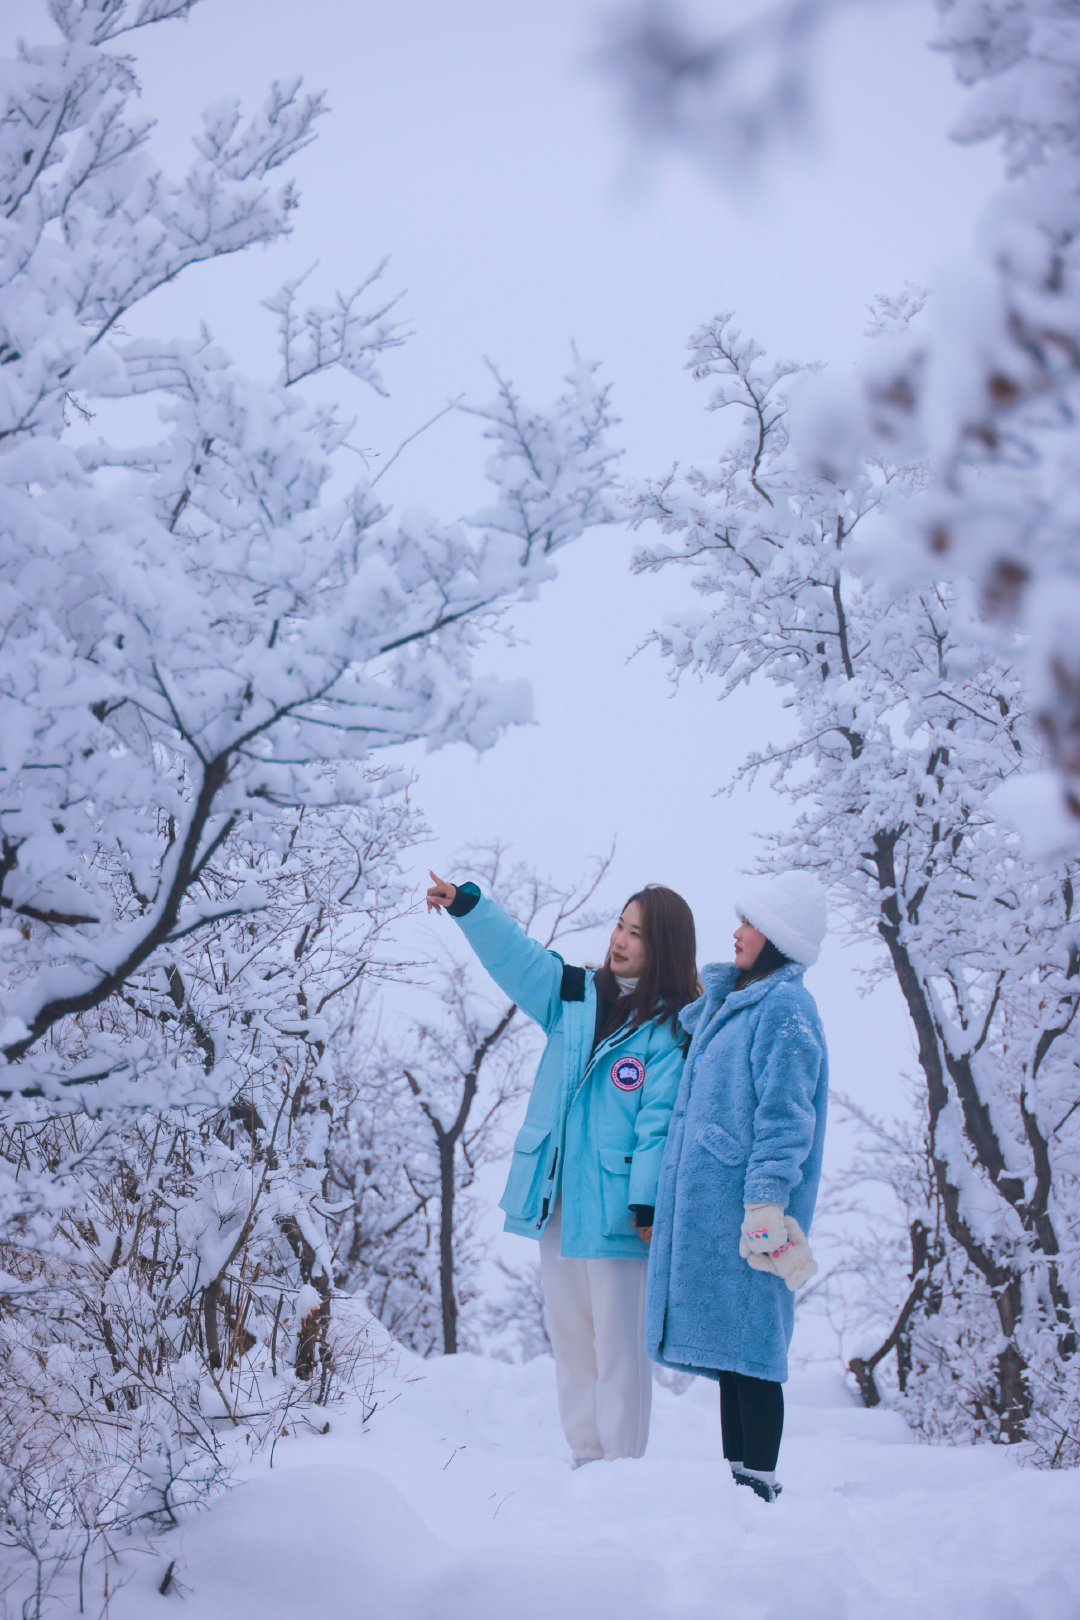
(670, 978)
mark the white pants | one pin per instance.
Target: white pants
(595, 1312)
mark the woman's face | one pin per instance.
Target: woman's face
(627, 951)
(748, 944)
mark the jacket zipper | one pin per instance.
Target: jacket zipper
(551, 1177)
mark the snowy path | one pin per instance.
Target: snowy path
(458, 1505)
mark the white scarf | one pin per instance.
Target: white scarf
(626, 986)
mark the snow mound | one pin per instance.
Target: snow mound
(458, 1503)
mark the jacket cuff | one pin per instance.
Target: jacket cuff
(765, 1191)
(467, 896)
(644, 1214)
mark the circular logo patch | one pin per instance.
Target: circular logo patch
(628, 1073)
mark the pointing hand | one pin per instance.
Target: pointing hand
(440, 894)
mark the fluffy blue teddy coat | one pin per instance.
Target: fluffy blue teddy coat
(748, 1127)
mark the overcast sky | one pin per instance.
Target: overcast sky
(477, 144)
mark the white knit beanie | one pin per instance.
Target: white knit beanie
(790, 910)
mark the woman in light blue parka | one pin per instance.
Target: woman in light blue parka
(587, 1159)
(740, 1172)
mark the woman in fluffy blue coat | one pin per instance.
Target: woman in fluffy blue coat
(740, 1172)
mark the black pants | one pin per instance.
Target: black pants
(751, 1419)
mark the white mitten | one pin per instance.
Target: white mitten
(793, 1261)
(763, 1229)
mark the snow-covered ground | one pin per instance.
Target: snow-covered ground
(458, 1503)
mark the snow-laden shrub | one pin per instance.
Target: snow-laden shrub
(917, 1322)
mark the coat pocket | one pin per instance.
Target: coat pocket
(715, 1140)
(528, 1172)
(614, 1192)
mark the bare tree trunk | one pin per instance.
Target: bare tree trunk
(447, 1294)
(446, 1142)
(950, 1075)
(311, 1342)
(862, 1368)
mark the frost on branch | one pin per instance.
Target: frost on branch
(97, 23)
(985, 393)
(315, 339)
(553, 472)
(1005, 448)
(903, 728)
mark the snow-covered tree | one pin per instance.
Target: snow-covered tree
(432, 1109)
(986, 395)
(903, 727)
(206, 630)
(168, 1276)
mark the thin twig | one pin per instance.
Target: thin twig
(385, 468)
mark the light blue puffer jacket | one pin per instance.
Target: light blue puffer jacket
(748, 1127)
(594, 1130)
